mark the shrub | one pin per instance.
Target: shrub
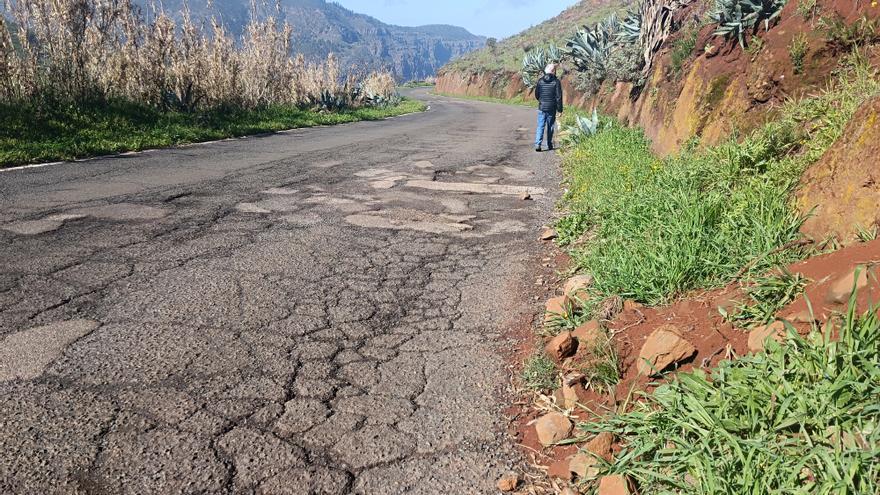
(625, 64)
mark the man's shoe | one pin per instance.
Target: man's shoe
(538, 149)
(550, 147)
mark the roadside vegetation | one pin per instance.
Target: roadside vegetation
(653, 237)
(79, 77)
(68, 133)
(507, 54)
(802, 417)
(798, 414)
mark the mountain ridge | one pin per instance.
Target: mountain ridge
(358, 40)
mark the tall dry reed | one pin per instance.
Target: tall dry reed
(85, 50)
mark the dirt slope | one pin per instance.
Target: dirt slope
(842, 190)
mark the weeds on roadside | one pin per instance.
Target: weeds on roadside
(578, 312)
(843, 37)
(807, 9)
(603, 370)
(767, 296)
(539, 373)
(867, 234)
(797, 52)
(666, 226)
(571, 227)
(800, 418)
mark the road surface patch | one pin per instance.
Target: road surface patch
(477, 188)
(24, 355)
(34, 227)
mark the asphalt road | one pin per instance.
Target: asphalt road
(317, 311)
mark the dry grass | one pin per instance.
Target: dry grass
(76, 51)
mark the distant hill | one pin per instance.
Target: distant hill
(321, 27)
(508, 53)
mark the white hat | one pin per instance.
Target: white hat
(550, 69)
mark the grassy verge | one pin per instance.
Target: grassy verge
(525, 102)
(661, 227)
(64, 133)
(801, 418)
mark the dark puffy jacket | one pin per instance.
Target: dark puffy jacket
(548, 92)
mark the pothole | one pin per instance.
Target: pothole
(406, 219)
(477, 188)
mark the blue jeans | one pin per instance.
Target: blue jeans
(546, 120)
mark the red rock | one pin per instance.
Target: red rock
(559, 469)
(562, 346)
(664, 347)
(552, 428)
(804, 316)
(584, 466)
(842, 289)
(613, 485)
(589, 333)
(630, 305)
(508, 482)
(567, 395)
(601, 445)
(577, 284)
(759, 335)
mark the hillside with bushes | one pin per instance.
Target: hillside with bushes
(506, 55)
(719, 236)
(321, 27)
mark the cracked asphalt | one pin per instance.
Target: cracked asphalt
(316, 311)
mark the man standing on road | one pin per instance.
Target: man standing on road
(548, 92)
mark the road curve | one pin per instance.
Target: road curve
(315, 311)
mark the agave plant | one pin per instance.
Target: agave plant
(589, 48)
(631, 27)
(536, 61)
(331, 101)
(583, 128)
(736, 17)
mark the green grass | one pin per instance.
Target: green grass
(518, 100)
(603, 371)
(767, 295)
(667, 226)
(31, 135)
(801, 418)
(539, 373)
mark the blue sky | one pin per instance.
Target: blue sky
(498, 18)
